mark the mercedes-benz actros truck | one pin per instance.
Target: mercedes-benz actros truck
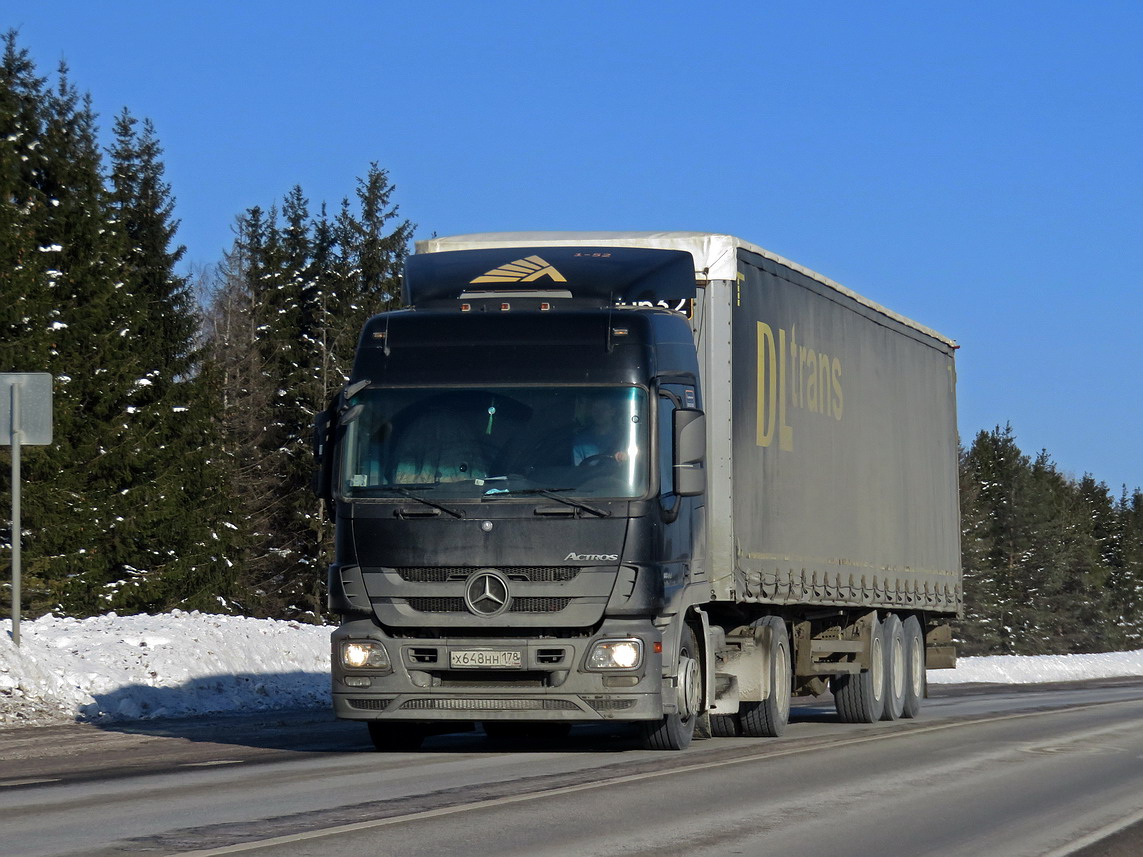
(669, 479)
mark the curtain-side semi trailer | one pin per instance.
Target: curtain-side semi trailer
(667, 478)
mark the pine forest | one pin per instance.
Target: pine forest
(179, 475)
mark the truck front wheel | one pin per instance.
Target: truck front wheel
(675, 731)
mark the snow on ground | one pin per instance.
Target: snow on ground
(116, 668)
(113, 668)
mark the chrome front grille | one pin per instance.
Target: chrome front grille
(452, 596)
(489, 704)
(525, 573)
(538, 605)
(518, 605)
(601, 704)
(370, 703)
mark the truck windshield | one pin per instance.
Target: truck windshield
(493, 442)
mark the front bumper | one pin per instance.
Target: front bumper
(550, 683)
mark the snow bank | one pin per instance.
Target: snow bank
(114, 668)
(111, 668)
(1023, 669)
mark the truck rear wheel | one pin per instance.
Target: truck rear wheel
(675, 731)
(725, 725)
(860, 697)
(915, 678)
(768, 718)
(896, 668)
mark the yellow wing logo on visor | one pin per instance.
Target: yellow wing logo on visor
(521, 271)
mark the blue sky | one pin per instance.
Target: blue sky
(974, 165)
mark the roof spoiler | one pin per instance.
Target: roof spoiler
(572, 276)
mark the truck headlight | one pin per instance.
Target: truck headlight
(624, 654)
(364, 655)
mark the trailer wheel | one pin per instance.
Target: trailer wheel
(896, 668)
(675, 731)
(860, 697)
(394, 736)
(768, 718)
(915, 677)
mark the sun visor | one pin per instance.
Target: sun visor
(599, 276)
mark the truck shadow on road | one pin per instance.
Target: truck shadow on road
(292, 711)
(266, 710)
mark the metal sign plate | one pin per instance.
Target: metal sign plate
(34, 390)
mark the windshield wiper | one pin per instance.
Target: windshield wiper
(550, 493)
(405, 492)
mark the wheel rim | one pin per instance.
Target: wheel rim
(877, 669)
(898, 668)
(782, 683)
(689, 698)
(917, 676)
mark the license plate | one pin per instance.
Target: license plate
(484, 659)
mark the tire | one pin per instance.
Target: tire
(768, 718)
(896, 668)
(725, 725)
(860, 697)
(396, 737)
(915, 676)
(675, 731)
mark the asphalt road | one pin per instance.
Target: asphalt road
(986, 771)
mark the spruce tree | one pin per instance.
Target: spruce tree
(282, 340)
(284, 321)
(1062, 559)
(995, 473)
(25, 262)
(237, 327)
(73, 550)
(1040, 554)
(978, 632)
(256, 348)
(172, 437)
(1126, 583)
(91, 297)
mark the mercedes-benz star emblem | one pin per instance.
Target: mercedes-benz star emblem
(486, 593)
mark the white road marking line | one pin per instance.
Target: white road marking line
(7, 784)
(614, 781)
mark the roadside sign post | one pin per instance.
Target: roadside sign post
(26, 414)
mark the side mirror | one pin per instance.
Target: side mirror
(338, 413)
(353, 389)
(323, 471)
(689, 459)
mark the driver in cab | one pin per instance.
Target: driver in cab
(603, 438)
